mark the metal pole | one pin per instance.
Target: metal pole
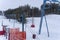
(47, 26)
(43, 14)
(41, 22)
(23, 22)
(32, 16)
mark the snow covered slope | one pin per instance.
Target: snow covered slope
(10, 23)
(53, 25)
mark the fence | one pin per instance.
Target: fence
(15, 34)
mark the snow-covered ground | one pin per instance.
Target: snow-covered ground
(53, 21)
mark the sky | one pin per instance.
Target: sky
(11, 4)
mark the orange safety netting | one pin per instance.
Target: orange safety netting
(15, 34)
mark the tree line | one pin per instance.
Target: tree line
(50, 8)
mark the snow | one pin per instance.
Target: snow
(53, 25)
(2, 37)
(53, 21)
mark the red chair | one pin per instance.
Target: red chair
(3, 31)
(34, 36)
(32, 25)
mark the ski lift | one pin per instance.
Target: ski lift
(32, 25)
(34, 36)
(42, 14)
(32, 20)
(47, 6)
(3, 31)
(23, 21)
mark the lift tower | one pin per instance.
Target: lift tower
(43, 15)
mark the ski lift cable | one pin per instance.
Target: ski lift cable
(33, 16)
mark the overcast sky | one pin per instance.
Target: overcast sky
(6, 4)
